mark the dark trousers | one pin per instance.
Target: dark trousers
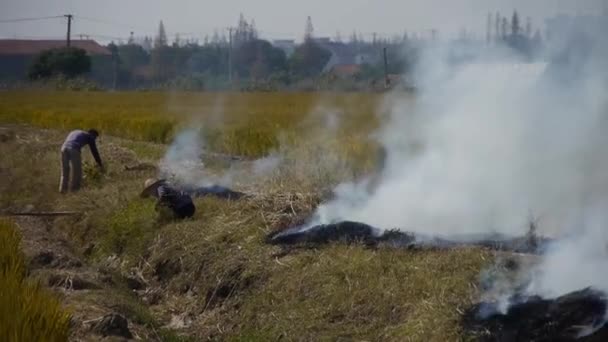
(70, 159)
(184, 211)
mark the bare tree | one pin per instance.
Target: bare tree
(338, 37)
(161, 38)
(529, 27)
(489, 29)
(504, 28)
(497, 21)
(515, 25)
(309, 30)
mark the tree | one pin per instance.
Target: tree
(209, 60)
(529, 28)
(215, 39)
(309, 59)
(405, 38)
(515, 25)
(504, 28)
(132, 56)
(244, 32)
(354, 40)
(147, 44)
(162, 63)
(69, 62)
(253, 31)
(161, 38)
(497, 21)
(537, 40)
(489, 29)
(338, 37)
(309, 30)
(178, 41)
(258, 59)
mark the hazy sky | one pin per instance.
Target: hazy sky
(274, 18)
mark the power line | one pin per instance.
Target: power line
(28, 19)
(100, 36)
(111, 22)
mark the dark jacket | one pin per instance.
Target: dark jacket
(171, 197)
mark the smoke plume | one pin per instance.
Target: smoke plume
(488, 144)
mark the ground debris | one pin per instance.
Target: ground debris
(576, 316)
(112, 325)
(71, 282)
(141, 167)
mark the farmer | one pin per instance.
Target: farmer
(70, 157)
(168, 199)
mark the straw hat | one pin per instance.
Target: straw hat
(150, 186)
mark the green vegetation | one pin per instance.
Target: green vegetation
(67, 62)
(28, 312)
(128, 228)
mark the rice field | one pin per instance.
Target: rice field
(248, 124)
(28, 311)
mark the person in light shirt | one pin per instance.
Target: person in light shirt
(71, 161)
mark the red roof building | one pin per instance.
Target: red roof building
(345, 70)
(16, 56)
(22, 47)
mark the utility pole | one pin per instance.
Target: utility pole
(387, 81)
(114, 65)
(69, 38)
(230, 55)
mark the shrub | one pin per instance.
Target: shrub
(69, 62)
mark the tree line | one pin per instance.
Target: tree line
(243, 59)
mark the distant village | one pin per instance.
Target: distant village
(241, 59)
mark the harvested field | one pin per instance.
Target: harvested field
(214, 277)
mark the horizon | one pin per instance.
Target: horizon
(115, 20)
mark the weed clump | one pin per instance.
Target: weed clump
(128, 229)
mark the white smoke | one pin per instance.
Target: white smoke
(266, 165)
(182, 161)
(486, 144)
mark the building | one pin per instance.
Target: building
(16, 55)
(345, 70)
(287, 45)
(345, 59)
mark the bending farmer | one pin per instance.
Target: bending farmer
(70, 157)
(177, 203)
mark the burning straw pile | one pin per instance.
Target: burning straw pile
(353, 232)
(579, 316)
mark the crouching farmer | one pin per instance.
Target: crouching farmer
(71, 158)
(169, 200)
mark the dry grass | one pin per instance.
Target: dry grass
(215, 272)
(28, 312)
